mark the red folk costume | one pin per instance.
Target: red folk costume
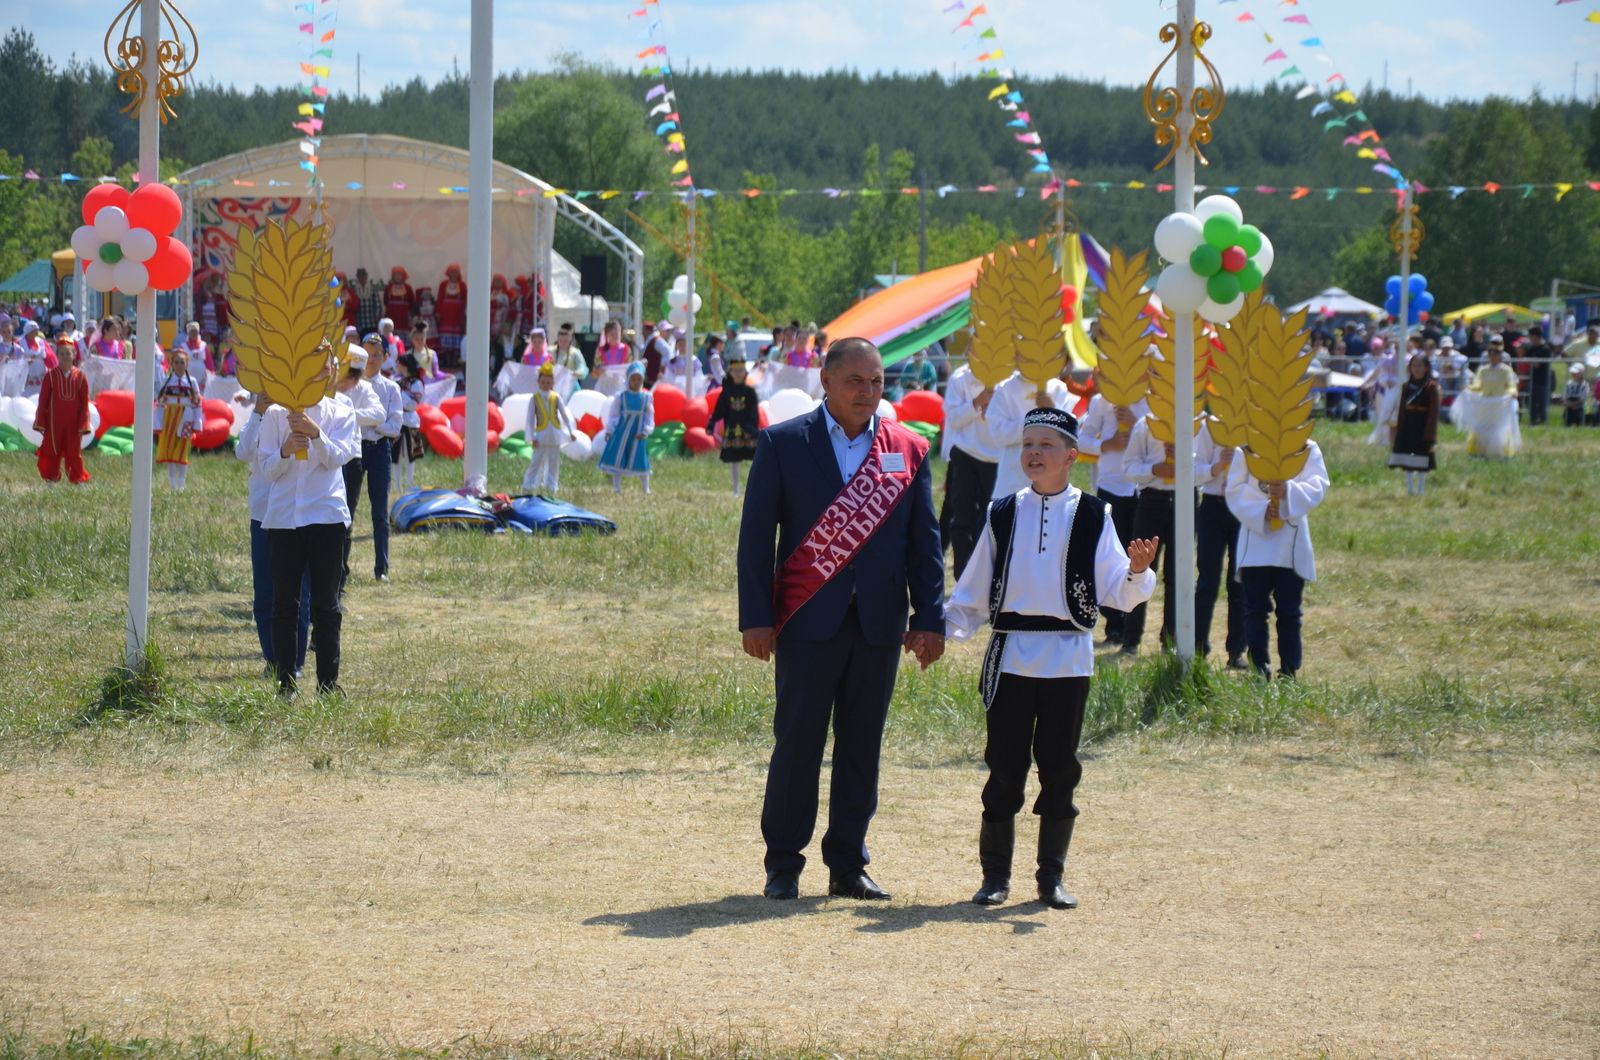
(451, 305)
(521, 294)
(398, 299)
(499, 303)
(63, 419)
(347, 299)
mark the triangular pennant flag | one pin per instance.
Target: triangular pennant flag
(1275, 56)
(1246, 17)
(1306, 90)
(1312, 42)
(1290, 72)
(326, 37)
(988, 34)
(1321, 108)
(655, 93)
(1333, 123)
(998, 90)
(1333, 193)
(1302, 19)
(681, 166)
(1299, 193)
(1346, 96)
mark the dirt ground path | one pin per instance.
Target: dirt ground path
(1263, 900)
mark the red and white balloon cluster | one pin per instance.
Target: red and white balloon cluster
(1216, 259)
(126, 244)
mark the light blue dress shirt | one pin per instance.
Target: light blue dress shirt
(849, 452)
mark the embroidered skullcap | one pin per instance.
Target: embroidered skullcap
(1056, 419)
(636, 368)
(355, 356)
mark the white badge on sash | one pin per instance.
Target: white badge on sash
(893, 463)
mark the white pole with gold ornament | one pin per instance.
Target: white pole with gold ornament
(480, 236)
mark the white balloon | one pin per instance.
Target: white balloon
(19, 412)
(85, 243)
(587, 403)
(787, 404)
(1215, 204)
(1266, 256)
(1178, 235)
(1221, 314)
(681, 283)
(139, 245)
(515, 410)
(94, 428)
(578, 447)
(101, 277)
(1181, 289)
(111, 223)
(679, 318)
(886, 411)
(131, 276)
(697, 303)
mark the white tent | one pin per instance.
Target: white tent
(1336, 301)
(396, 201)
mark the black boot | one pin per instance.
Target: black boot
(996, 841)
(1055, 835)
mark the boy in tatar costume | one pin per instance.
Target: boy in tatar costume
(1045, 564)
(549, 427)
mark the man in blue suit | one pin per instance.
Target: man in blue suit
(849, 499)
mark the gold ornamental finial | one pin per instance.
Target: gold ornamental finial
(1398, 237)
(1205, 102)
(175, 57)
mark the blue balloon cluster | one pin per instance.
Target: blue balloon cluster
(1421, 297)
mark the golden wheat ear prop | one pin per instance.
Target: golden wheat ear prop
(1124, 346)
(993, 353)
(1278, 418)
(286, 315)
(1228, 385)
(1164, 379)
(1036, 314)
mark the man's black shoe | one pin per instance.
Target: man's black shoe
(856, 885)
(784, 886)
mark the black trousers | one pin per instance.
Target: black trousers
(1539, 393)
(1038, 720)
(1122, 513)
(1217, 534)
(847, 681)
(968, 486)
(1266, 589)
(373, 465)
(317, 549)
(1154, 518)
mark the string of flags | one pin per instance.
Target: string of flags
(1594, 16)
(318, 28)
(662, 97)
(1005, 94)
(1338, 106)
(1293, 193)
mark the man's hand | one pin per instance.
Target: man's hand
(1274, 511)
(927, 647)
(302, 426)
(1277, 490)
(1164, 471)
(295, 443)
(1124, 418)
(760, 642)
(981, 402)
(1141, 554)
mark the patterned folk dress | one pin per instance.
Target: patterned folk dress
(179, 403)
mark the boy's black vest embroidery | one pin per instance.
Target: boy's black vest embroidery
(1083, 609)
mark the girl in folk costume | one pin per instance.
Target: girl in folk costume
(1487, 411)
(397, 299)
(196, 350)
(536, 354)
(628, 424)
(40, 358)
(549, 427)
(178, 399)
(422, 353)
(521, 315)
(452, 310)
(108, 343)
(1416, 424)
(1047, 560)
(739, 411)
(63, 418)
(227, 360)
(611, 360)
(425, 311)
(408, 448)
(499, 302)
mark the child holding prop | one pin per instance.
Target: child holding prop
(632, 418)
(178, 398)
(549, 427)
(1047, 560)
(63, 419)
(739, 412)
(1274, 488)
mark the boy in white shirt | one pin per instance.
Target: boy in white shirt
(1048, 559)
(1275, 555)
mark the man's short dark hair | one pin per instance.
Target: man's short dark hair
(844, 348)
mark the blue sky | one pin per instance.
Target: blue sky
(1460, 48)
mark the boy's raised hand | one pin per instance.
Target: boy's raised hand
(1142, 553)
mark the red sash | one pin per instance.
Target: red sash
(856, 514)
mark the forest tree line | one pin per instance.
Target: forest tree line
(583, 126)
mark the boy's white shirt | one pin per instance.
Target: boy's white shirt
(1290, 544)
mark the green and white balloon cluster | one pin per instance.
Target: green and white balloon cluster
(1215, 260)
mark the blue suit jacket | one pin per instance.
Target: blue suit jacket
(794, 478)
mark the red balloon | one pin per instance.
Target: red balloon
(696, 440)
(458, 423)
(696, 413)
(214, 408)
(922, 406)
(102, 195)
(668, 403)
(761, 418)
(497, 422)
(170, 268)
(214, 433)
(156, 207)
(431, 417)
(454, 406)
(1234, 259)
(116, 406)
(444, 441)
(590, 424)
(494, 440)
(712, 395)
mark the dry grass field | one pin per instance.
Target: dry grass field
(530, 826)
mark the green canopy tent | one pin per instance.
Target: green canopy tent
(38, 278)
